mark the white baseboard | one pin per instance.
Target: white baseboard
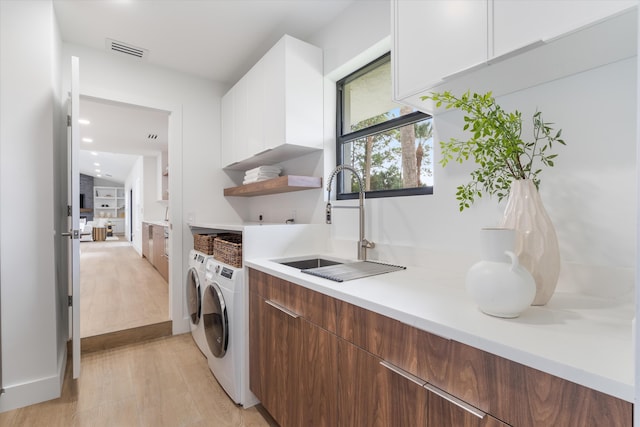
(29, 393)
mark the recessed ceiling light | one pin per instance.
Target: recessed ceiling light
(97, 170)
(94, 153)
(98, 175)
(84, 122)
(87, 140)
(96, 164)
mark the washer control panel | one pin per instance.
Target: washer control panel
(226, 272)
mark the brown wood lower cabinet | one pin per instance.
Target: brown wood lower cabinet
(295, 373)
(319, 361)
(146, 233)
(370, 394)
(275, 367)
(160, 260)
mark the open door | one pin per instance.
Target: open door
(73, 201)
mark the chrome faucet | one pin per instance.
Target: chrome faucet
(363, 244)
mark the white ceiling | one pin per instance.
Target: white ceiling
(119, 134)
(216, 39)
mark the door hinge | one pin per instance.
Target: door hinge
(68, 120)
(68, 210)
(70, 300)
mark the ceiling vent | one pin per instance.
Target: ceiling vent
(126, 49)
(152, 136)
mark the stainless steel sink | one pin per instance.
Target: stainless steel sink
(303, 264)
(339, 271)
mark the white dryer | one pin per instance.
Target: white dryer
(194, 288)
(225, 318)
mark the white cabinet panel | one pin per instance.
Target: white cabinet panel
(275, 111)
(519, 22)
(437, 38)
(254, 117)
(530, 42)
(273, 100)
(240, 120)
(227, 129)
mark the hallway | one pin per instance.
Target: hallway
(118, 289)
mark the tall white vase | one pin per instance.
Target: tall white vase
(536, 241)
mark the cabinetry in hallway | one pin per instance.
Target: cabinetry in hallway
(153, 247)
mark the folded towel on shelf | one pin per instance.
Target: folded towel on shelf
(257, 178)
(261, 173)
(266, 168)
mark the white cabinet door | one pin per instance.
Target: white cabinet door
(276, 109)
(273, 100)
(303, 83)
(517, 23)
(437, 38)
(228, 137)
(254, 118)
(240, 123)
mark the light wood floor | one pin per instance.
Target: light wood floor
(118, 289)
(164, 382)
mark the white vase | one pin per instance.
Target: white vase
(536, 241)
(499, 284)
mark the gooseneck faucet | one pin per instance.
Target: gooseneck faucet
(363, 244)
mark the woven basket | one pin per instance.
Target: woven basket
(203, 243)
(228, 249)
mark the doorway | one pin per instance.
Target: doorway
(120, 147)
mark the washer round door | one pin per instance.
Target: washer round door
(193, 296)
(216, 321)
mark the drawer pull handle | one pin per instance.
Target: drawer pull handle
(403, 373)
(460, 403)
(282, 309)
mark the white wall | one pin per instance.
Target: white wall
(196, 179)
(32, 320)
(590, 194)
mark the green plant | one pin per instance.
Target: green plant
(495, 145)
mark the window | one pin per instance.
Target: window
(389, 144)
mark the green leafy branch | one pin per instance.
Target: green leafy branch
(495, 145)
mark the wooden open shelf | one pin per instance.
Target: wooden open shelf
(281, 184)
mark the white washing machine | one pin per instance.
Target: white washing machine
(194, 288)
(225, 318)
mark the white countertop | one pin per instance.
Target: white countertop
(583, 339)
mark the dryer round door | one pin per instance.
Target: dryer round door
(193, 296)
(216, 321)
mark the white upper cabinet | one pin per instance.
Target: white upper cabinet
(503, 45)
(228, 135)
(521, 22)
(275, 111)
(436, 38)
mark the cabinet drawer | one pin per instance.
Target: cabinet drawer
(522, 396)
(315, 307)
(413, 350)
